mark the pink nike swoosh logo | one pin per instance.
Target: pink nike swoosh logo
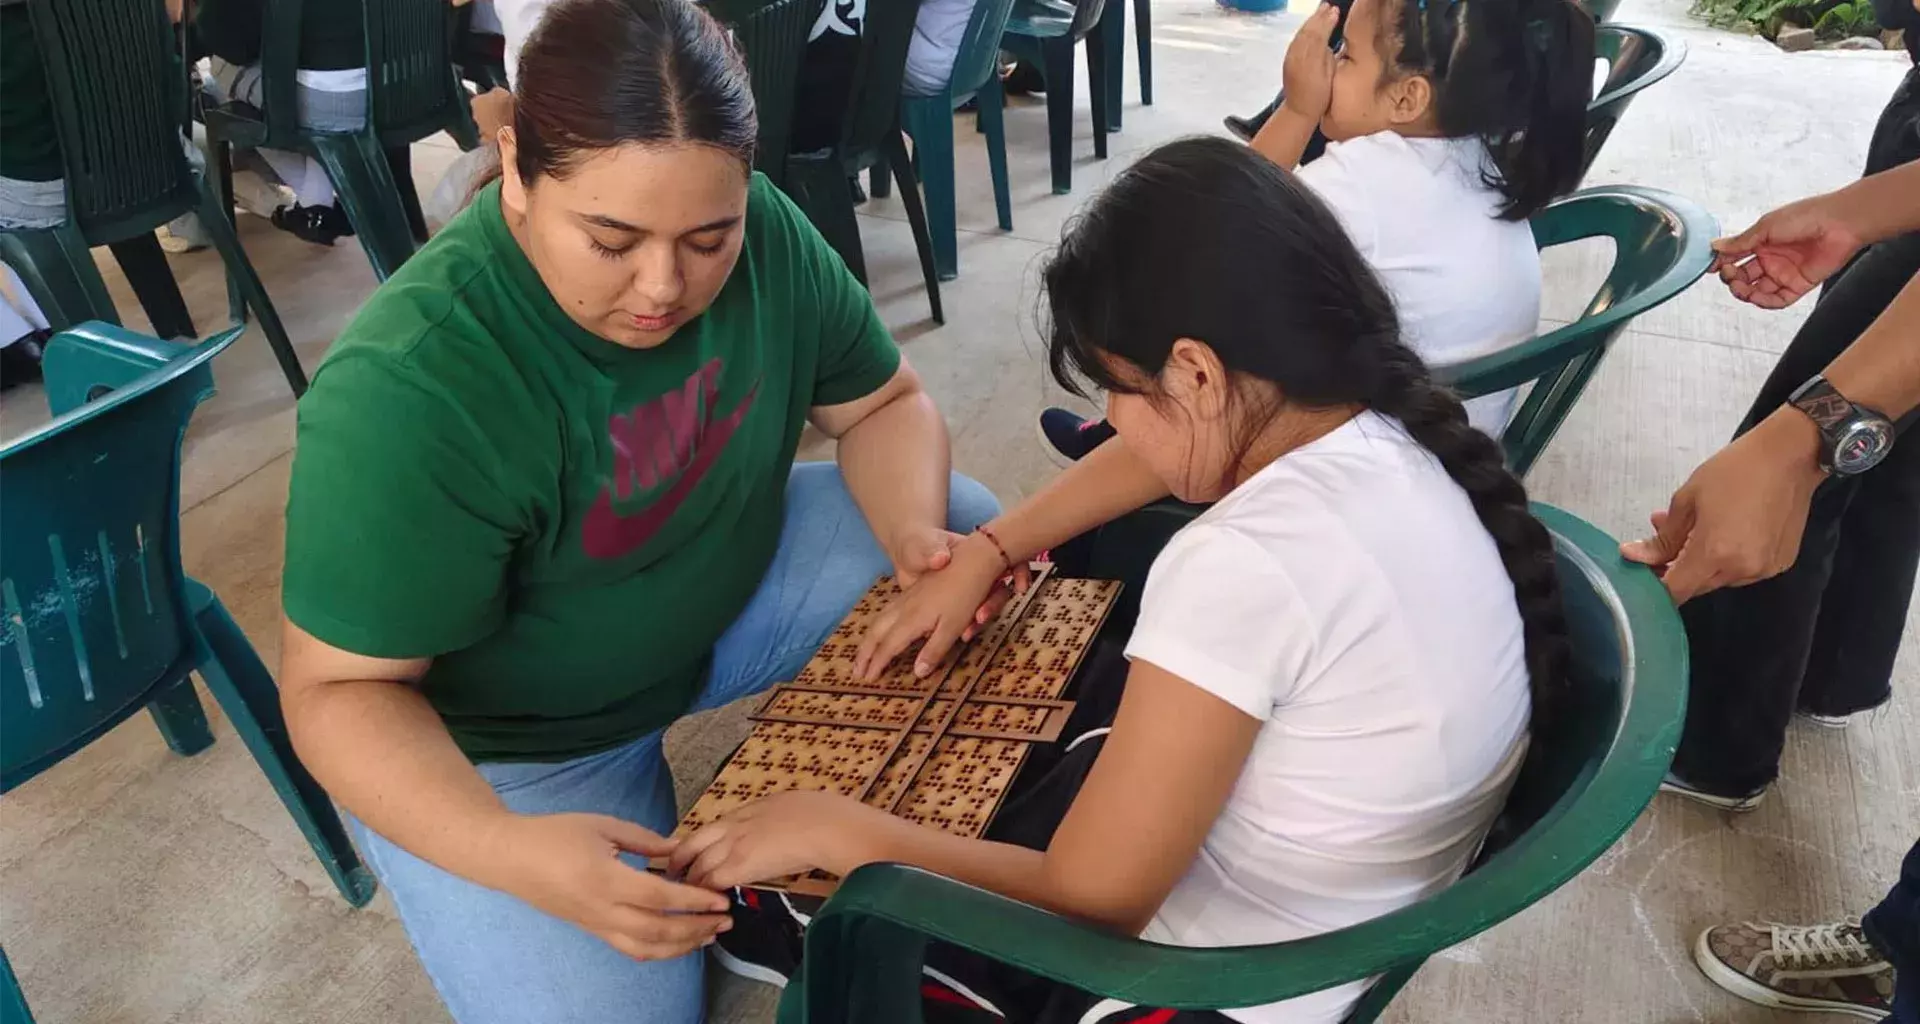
(607, 534)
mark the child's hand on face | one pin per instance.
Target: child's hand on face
(1308, 75)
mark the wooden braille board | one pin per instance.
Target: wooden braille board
(941, 750)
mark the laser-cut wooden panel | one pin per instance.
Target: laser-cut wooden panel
(940, 750)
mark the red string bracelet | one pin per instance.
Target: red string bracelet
(1005, 559)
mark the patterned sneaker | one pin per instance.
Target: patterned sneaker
(1827, 968)
(1069, 438)
(1738, 804)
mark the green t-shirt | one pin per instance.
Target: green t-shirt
(564, 525)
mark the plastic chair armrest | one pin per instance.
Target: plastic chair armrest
(96, 357)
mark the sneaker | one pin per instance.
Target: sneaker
(20, 360)
(1740, 804)
(1827, 968)
(1243, 128)
(1069, 437)
(1024, 79)
(1838, 721)
(321, 225)
(764, 943)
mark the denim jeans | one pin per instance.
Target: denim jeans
(496, 960)
(1894, 928)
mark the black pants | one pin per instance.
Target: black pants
(1894, 928)
(1823, 635)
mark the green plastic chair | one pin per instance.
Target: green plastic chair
(1662, 244)
(101, 620)
(772, 36)
(118, 104)
(1114, 28)
(413, 92)
(1045, 32)
(1636, 58)
(1584, 783)
(929, 121)
(870, 137)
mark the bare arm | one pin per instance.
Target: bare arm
(1172, 759)
(895, 457)
(1110, 482)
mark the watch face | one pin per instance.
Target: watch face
(1863, 443)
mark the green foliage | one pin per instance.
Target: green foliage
(1831, 18)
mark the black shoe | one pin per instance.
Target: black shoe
(321, 225)
(764, 943)
(1069, 437)
(20, 361)
(853, 186)
(1243, 127)
(1025, 79)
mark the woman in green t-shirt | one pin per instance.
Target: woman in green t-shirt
(544, 503)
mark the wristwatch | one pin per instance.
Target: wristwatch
(1853, 437)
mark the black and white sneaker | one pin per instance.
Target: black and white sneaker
(1069, 437)
(764, 943)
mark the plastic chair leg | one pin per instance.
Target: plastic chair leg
(991, 102)
(460, 126)
(879, 182)
(182, 721)
(1111, 81)
(1143, 40)
(917, 215)
(1099, 58)
(247, 694)
(400, 165)
(241, 273)
(823, 197)
(1057, 55)
(358, 169)
(930, 122)
(13, 1005)
(153, 283)
(59, 272)
(222, 160)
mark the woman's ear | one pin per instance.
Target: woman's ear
(1196, 378)
(513, 191)
(1409, 100)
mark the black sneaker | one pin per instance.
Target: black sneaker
(1069, 437)
(764, 943)
(1024, 79)
(1244, 128)
(1739, 803)
(321, 225)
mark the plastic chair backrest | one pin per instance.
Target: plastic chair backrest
(97, 616)
(1661, 246)
(873, 104)
(1636, 58)
(118, 102)
(1587, 778)
(978, 57)
(410, 79)
(771, 35)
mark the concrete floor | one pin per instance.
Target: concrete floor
(141, 887)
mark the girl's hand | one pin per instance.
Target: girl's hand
(568, 865)
(919, 552)
(784, 834)
(1308, 74)
(944, 607)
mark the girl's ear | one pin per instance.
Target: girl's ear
(1195, 377)
(1409, 100)
(513, 191)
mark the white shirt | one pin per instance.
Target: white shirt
(516, 19)
(1465, 282)
(1348, 598)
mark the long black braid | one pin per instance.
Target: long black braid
(1205, 239)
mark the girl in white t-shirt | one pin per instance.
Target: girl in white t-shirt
(1332, 668)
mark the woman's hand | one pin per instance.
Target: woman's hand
(568, 865)
(918, 552)
(1308, 74)
(944, 607)
(1786, 253)
(784, 834)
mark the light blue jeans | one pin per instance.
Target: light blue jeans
(496, 960)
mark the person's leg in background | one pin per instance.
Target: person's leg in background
(23, 330)
(43, 204)
(1743, 694)
(1870, 969)
(315, 215)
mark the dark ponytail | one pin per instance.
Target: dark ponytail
(1516, 73)
(596, 74)
(1206, 239)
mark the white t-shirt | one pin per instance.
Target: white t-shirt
(1465, 282)
(1348, 598)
